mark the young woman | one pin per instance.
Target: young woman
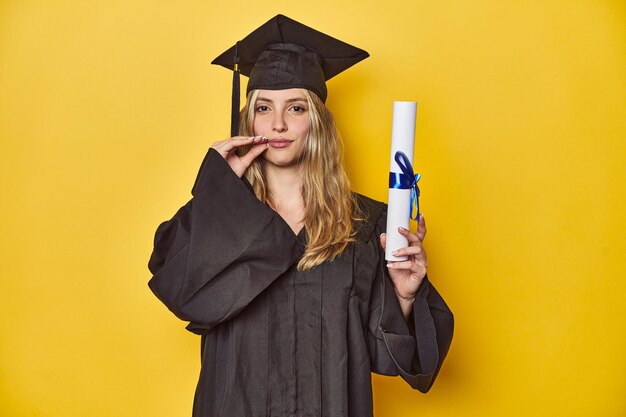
(280, 267)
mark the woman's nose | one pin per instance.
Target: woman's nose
(278, 123)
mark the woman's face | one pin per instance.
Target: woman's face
(283, 117)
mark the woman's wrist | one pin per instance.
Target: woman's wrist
(406, 304)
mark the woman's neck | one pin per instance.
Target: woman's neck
(284, 185)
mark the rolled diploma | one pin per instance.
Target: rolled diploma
(398, 210)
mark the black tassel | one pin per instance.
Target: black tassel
(234, 115)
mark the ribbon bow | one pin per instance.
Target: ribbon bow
(407, 180)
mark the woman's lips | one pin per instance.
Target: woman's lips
(279, 143)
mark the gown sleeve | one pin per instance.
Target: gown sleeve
(415, 350)
(220, 250)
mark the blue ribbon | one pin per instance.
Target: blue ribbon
(407, 180)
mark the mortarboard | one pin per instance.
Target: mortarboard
(283, 53)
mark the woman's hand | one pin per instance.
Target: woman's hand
(408, 275)
(227, 148)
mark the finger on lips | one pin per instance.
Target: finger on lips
(255, 141)
(258, 139)
(235, 142)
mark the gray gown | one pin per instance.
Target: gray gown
(280, 342)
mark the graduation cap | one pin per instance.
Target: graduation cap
(282, 54)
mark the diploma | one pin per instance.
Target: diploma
(402, 189)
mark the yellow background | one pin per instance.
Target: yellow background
(108, 107)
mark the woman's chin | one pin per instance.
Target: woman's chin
(281, 161)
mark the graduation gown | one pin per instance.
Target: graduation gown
(276, 341)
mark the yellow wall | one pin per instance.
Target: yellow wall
(107, 108)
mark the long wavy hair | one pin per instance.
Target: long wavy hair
(330, 208)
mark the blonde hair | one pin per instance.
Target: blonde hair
(329, 206)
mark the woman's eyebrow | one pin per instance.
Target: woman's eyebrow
(290, 100)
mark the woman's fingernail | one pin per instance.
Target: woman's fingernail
(395, 252)
(401, 229)
(389, 265)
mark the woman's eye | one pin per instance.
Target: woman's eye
(261, 108)
(298, 109)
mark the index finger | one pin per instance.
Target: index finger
(235, 142)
